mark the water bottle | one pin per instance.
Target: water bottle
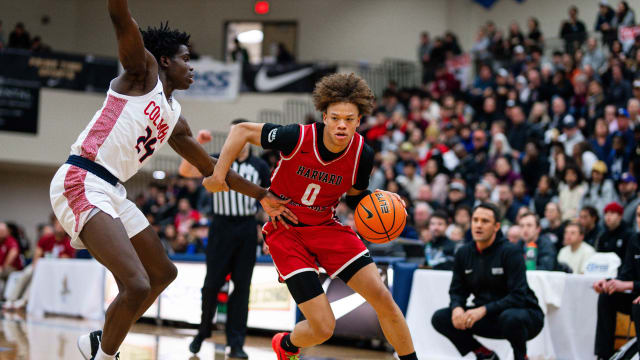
(531, 255)
(428, 254)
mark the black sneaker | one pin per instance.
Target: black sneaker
(237, 353)
(196, 344)
(491, 356)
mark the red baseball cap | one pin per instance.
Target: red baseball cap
(613, 207)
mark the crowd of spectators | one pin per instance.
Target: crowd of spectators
(19, 38)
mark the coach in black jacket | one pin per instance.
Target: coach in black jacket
(492, 269)
(617, 295)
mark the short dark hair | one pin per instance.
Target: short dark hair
(529, 213)
(440, 214)
(462, 207)
(164, 41)
(491, 207)
(592, 212)
(239, 121)
(576, 224)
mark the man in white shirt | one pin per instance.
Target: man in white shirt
(576, 252)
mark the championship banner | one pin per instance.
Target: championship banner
(59, 70)
(627, 35)
(285, 78)
(214, 80)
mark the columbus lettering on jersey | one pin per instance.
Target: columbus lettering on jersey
(153, 113)
(319, 175)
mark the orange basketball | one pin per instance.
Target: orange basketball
(380, 218)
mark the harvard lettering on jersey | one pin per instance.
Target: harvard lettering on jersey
(311, 176)
(128, 130)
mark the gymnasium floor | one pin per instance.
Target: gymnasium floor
(55, 339)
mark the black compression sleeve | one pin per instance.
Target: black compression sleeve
(354, 200)
(364, 168)
(280, 138)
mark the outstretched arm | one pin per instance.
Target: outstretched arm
(131, 49)
(186, 146)
(239, 135)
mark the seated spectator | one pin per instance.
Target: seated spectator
(410, 179)
(504, 307)
(439, 250)
(462, 218)
(530, 233)
(514, 234)
(629, 199)
(55, 245)
(544, 194)
(616, 232)
(19, 38)
(508, 207)
(520, 193)
(571, 135)
(575, 252)
(571, 192)
(186, 216)
(457, 196)
(590, 222)
(618, 295)
(552, 223)
(10, 260)
(600, 190)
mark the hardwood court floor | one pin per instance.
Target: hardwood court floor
(55, 339)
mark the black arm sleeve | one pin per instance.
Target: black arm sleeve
(354, 200)
(280, 138)
(364, 168)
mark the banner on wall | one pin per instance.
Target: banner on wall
(59, 70)
(214, 80)
(284, 77)
(19, 104)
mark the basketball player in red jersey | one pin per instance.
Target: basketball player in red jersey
(138, 117)
(318, 164)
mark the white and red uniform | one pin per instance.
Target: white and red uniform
(314, 187)
(122, 136)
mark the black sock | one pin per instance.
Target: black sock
(288, 346)
(411, 356)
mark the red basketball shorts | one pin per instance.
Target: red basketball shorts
(304, 248)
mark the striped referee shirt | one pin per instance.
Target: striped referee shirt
(232, 203)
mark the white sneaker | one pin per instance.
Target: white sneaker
(89, 344)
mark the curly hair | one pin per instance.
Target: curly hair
(164, 41)
(348, 88)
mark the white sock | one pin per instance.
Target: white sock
(102, 356)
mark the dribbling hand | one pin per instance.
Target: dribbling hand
(396, 196)
(277, 211)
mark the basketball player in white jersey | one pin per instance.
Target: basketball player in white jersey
(138, 117)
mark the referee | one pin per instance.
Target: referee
(233, 238)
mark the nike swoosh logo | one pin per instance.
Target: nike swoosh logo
(266, 83)
(369, 213)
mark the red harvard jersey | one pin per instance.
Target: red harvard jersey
(313, 185)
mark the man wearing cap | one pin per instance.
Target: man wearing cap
(616, 232)
(636, 88)
(619, 295)
(624, 128)
(457, 196)
(628, 189)
(571, 135)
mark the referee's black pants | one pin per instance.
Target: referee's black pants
(515, 325)
(608, 306)
(231, 249)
